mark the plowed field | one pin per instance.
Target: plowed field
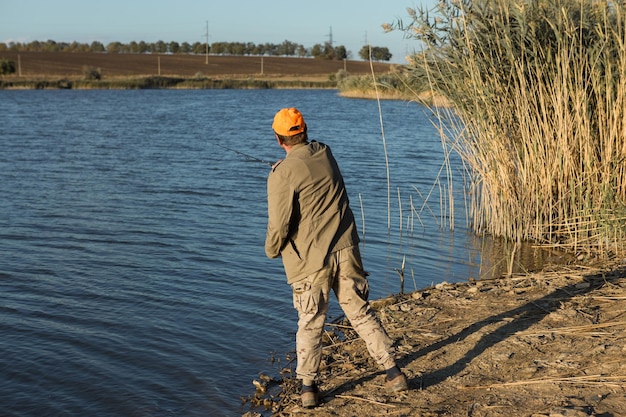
(66, 64)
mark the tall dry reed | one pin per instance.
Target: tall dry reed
(538, 113)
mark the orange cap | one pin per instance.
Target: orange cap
(288, 122)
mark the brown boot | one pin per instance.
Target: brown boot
(310, 398)
(397, 384)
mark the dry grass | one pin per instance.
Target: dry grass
(538, 90)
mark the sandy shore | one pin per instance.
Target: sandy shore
(543, 344)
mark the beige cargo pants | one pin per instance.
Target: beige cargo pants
(345, 276)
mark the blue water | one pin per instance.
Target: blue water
(133, 278)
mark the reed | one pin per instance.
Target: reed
(538, 115)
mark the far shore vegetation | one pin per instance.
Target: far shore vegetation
(93, 77)
(391, 85)
(285, 49)
(161, 82)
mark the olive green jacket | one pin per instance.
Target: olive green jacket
(309, 215)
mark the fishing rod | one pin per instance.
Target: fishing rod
(249, 157)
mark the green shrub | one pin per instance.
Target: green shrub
(7, 66)
(91, 73)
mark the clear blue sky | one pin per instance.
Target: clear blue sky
(353, 22)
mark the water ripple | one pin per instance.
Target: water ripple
(132, 270)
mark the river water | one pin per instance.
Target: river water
(133, 279)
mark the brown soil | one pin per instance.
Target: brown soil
(63, 64)
(541, 344)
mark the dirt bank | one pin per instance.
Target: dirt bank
(66, 64)
(542, 344)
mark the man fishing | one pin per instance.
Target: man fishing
(312, 228)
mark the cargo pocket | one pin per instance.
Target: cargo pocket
(305, 301)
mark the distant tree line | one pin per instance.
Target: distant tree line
(287, 48)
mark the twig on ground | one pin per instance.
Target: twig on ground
(587, 379)
(586, 329)
(351, 397)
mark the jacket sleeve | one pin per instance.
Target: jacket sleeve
(280, 196)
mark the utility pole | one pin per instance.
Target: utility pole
(330, 37)
(206, 61)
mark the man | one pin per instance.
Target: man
(311, 226)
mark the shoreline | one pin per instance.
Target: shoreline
(540, 344)
(105, 70)
(160, 82)
(152, 82)
(64, 70)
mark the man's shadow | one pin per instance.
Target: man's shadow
(518, 319)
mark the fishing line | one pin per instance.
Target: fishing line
(249, 157)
